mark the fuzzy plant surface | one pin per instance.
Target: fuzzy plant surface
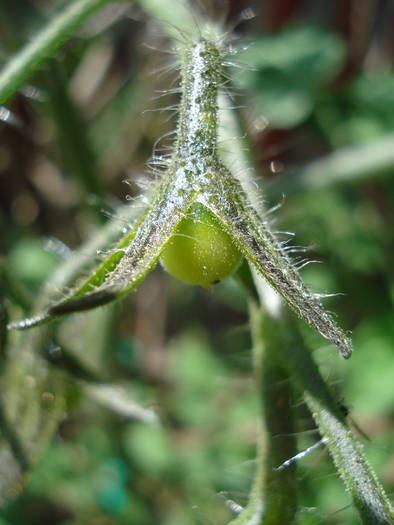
(201, 220)
(194, 175)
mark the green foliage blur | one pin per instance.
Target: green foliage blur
(86, 123)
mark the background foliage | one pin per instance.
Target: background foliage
(322, 76)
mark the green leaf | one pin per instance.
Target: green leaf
(287, 68)
(280, 100)
(306, 53)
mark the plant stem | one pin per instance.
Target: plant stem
(360, 480)
(273, 498)
(278, 487)
(201, 74)
(25, 63)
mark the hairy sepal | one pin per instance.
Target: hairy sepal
(134, 257)
(259, 245)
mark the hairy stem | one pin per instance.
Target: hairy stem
(273, 498)
(278, 486)
(201, 74)
(360, 480)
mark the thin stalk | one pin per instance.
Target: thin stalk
(201, 74)
(357, 474)
(273, 498)
(278, 487)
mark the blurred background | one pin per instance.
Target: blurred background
(74, 144)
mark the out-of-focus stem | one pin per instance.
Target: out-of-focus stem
(26, 62)
(273, 498)
(359, 478)
(279, 444)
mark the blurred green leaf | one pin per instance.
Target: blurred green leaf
(359, 112)
(369, 381)
(29, 262)
(287, 68)
(195, 371)
(150, 447)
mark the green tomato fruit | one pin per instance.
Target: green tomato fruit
(200, 252)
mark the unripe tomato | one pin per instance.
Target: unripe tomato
(200, 252)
